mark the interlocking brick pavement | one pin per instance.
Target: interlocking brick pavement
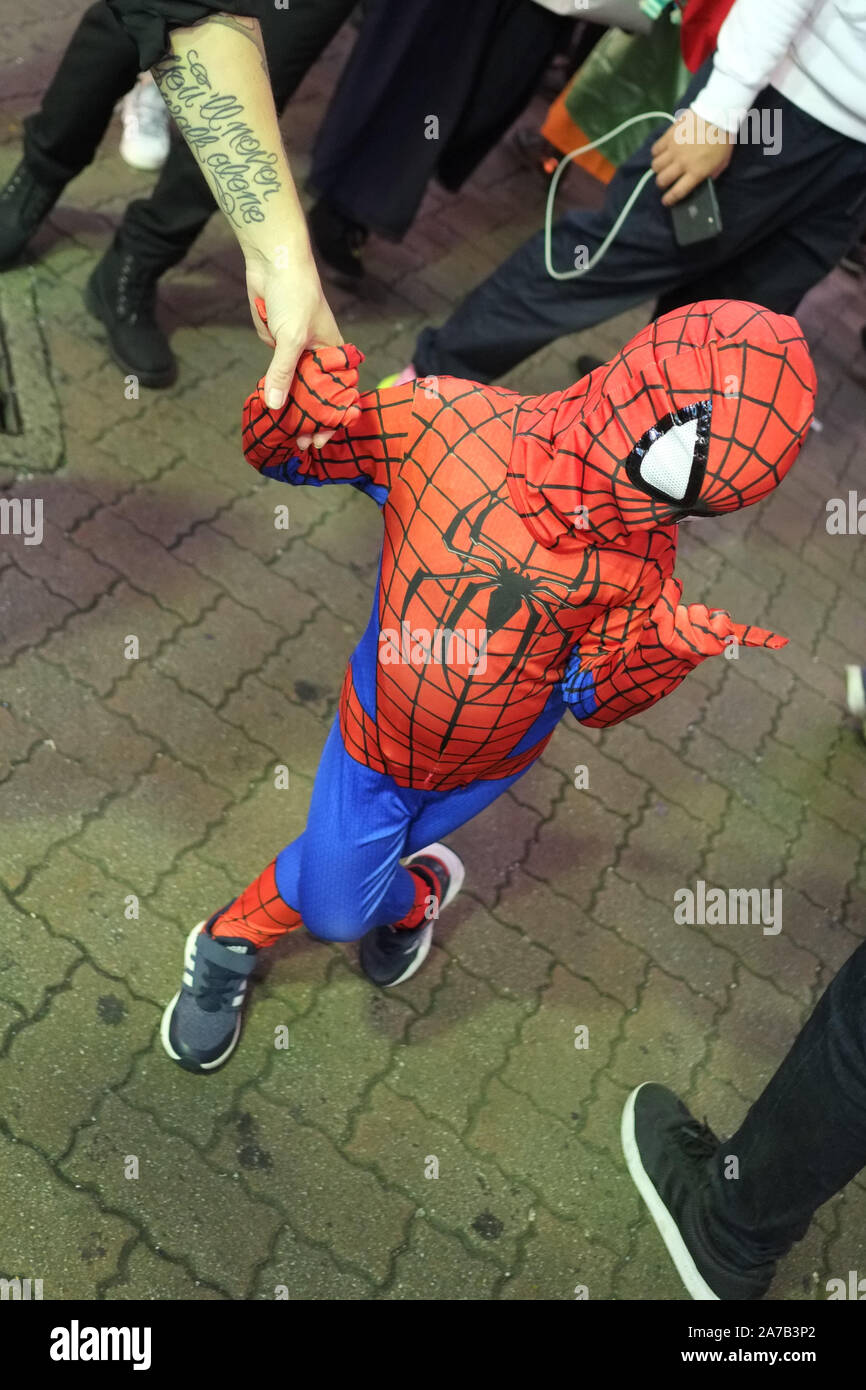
(138, 794)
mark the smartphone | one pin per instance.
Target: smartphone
(697, 217)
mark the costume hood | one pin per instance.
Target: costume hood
(704, 411)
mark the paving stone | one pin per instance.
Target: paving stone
(493, 845)
(685, 787)
(504, 956)
(243, 575)
(753, 1034)
(665, 1037)
(32, 960)
(46, 799)
(81, 728)
(299, 1271)
(313, 570)
(28, 611)
(576, 847)
(212, 656)
(62, 1236)
(140, 835)
(747, 852)
(563, 1046)
(190, 730)
(648, 1271)
(175, 1196)
(154, 1277)
(79, 1049)
(251, 833)
(310, 673)
(612, 783)
(450, 1052)
(665, 849)
(169, 507)
(329, 1201)
(809, 726)
(684, 951)
(17, 739)
(296, 735)
(570, 1180)
(322, 1081)
(202, 1109)
(94, 646)
(746, 779)
(559, 1263)
(455, 1190)
(826, 860)
(88, 910)
(436, 1266)
(175, 585)
(741, 715)
(65, 568)
(541, 789)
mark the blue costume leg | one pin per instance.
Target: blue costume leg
(344, 874)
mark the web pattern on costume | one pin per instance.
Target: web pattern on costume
(456, 558)
(454, 466)
(753, 383)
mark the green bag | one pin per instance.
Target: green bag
(624, 75)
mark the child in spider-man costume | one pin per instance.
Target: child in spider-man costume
(526, 570)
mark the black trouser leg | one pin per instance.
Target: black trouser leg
(804, 1138)
(807, 193)
(159, 230)
(99, 66)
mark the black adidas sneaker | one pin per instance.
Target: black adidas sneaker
(389, 955)
(202, 1024)
(669, 1153)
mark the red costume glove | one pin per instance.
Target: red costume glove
(323, 396)
(692, 631)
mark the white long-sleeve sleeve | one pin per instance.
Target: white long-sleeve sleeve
(812, 51)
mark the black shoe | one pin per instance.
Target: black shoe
(338, 240)
(24, 204)
(389, 955)
(121, 292)
(586, 363)
(201, 1026)
(669, 1153)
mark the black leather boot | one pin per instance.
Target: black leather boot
(24, 203)
(338, 240)
(121, 293)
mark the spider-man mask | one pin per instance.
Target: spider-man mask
(704, 411)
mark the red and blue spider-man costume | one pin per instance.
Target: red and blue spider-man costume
(538, 535)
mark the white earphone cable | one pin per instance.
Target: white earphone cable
(632, 199)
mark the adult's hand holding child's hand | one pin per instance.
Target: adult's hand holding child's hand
(323, 397)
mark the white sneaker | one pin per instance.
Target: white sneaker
(144, 143)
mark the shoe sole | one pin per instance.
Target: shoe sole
(165, 1025)
(456, 873)
(153, 381)
(696, 1285)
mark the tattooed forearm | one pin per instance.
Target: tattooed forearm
(241, 171)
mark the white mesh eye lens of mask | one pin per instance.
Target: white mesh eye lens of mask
(667, 464)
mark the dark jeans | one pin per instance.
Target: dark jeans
(787, 218)
(804, 1138)
(101, 64)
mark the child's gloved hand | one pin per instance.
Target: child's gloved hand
(323, 398)
(693, 631)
